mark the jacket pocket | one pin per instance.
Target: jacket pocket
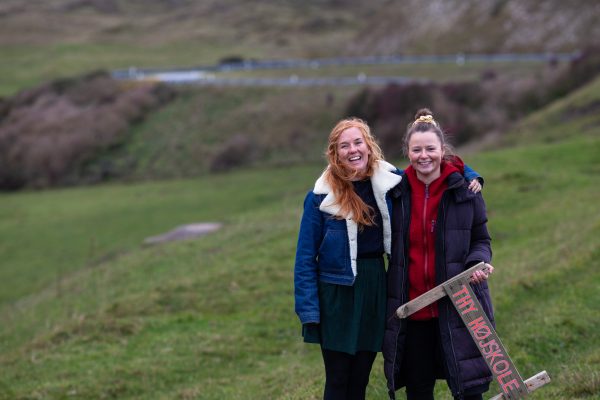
(334, 253)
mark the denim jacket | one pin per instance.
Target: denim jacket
(327, 245)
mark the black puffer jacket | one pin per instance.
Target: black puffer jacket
(462, 240)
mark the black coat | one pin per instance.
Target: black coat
(462, 240)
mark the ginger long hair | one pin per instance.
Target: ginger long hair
(340, 178)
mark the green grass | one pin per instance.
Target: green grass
(213, 318)
(87, 311)
(26, 66)
(87, 226)
(170, 316)
(575, 115)
(40, 41)
(283, 126)
(546, 248)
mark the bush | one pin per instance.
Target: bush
(239, 150)
(233, 59)
(48, 133)
(518, 97)
(582, 70)
(390, 109)
(468, 110)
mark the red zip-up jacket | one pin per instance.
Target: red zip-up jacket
(425, 201)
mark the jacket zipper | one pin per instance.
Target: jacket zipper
(442, 214)
(406, 241)
(426, 245)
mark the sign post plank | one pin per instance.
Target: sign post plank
(485, 337)
(436, 293)
(483, 334)
(533, 383)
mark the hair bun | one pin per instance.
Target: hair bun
(423, 112)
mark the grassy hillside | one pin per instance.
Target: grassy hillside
(58, 38)
(573, 116)
(43, 40)
(216, 129)
(190, 136)
(88, 312)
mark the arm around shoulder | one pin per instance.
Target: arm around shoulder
(471, 174)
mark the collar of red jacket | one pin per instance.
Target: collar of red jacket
(446, 168)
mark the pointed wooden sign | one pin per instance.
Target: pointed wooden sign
(485, 337)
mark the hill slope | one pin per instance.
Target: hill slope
(88, 313)
(573, 116)
(43, 40)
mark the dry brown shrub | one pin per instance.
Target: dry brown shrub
(391, 109)
(48, 133)
(469, 110)
(239, 150)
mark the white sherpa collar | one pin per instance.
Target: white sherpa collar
(383, 180)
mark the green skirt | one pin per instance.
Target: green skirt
(353, 317)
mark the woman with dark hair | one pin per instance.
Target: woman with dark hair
(339, 274)
(438, 231)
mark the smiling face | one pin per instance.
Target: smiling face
(353, 152)
(425, 154)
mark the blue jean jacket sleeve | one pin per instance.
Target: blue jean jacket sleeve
(471, 174)
(305, 268)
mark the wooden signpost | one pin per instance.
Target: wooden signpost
(485, 337)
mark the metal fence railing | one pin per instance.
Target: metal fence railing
(205, 75)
